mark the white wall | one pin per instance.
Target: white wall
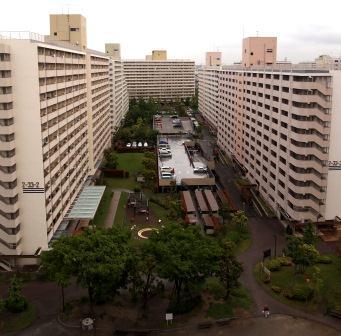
(333, 199)
(28, 143)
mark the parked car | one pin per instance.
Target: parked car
(145, 144)
(164, 146)
(134, 144)
(200, 170)
(139, 144)
(166, 175)
(174, 116)
(128, 145)
(163, 141)
(164, 150)
(167, 169)
(165, 154)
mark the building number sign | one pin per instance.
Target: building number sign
(334, 165)
(32, 188)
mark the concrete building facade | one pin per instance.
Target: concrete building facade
(281, 128)
(259, 51)
(57, 103)
(213, 58)
(208, 94)
(119, 99)
(159, 55)
(164, 79)
(70, 28)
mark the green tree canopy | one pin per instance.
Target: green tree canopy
(302, 254)
(229, 268)
(184, 255)
(98, 259)
(240, 221)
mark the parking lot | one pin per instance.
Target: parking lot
(180, 161)
(164, 125)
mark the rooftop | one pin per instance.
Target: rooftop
(86, 204)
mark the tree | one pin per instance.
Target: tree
(240, 221)
(15, 301)
(98, 259)
(184, 255)
(56, 270)
(110, 159)
(229, 268)
(302, 254)
(224, 211)
(142, 274)
(149, 176)
(309, 234)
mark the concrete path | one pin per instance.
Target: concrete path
(112, 209)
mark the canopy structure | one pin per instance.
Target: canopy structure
(86, 204)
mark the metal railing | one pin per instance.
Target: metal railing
(21, 35)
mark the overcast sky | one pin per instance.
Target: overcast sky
(189, 28)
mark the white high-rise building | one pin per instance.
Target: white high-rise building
(56, 120)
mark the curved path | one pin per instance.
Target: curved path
(263, 231)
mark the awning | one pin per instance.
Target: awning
(86, 204)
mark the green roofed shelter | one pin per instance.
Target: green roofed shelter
(85, 206)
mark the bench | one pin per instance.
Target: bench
(334, 313)
(225, 321)
(205, 325)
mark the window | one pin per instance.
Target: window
(269, 50)
(55, 33)
(74, 29)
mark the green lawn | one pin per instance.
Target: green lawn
(131, 162)
(121, 210)
(15, 322)
(239, 299)
(285, 279)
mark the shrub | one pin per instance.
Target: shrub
(276, 289)
(273, 265)
(324, 260)
(285, 261)
(300, 293)
(186, 305)
(214, 287)
(137, 189)
(126, 174)
(234, 236)
(15, 302)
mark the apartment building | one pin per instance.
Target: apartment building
(213, 58)
(44, 140)
(56, 120)
(208, 94)
(119, 102)
(281, 128)
(160, 79)
(324, 62)
(99, 113)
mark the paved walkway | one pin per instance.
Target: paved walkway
(112, 209)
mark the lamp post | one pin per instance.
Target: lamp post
(275, 237)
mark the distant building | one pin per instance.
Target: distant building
(113, 50)
(159, 55)
(259, 51)
(149, 57)
(160, 79)
(213, 58)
